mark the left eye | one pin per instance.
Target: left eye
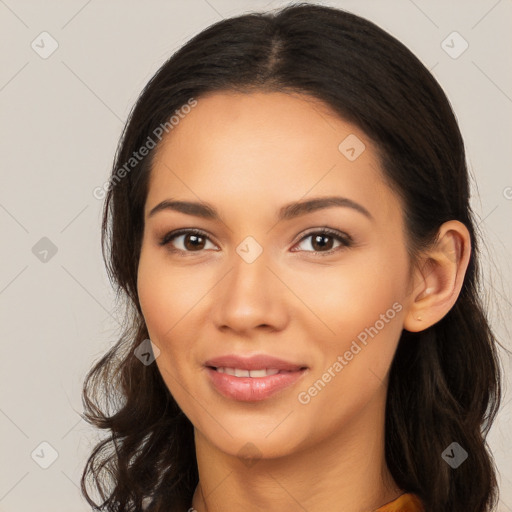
(195, 240)
(320, 240)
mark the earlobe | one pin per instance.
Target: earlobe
(439, 277)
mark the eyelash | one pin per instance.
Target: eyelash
(346, 240)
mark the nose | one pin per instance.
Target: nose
(251, 297)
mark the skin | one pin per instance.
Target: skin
(248, 155)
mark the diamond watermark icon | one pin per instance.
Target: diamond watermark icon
(249, 454)
(454, 45)
(147, 352)
(44, 250)
(44, 455)
(351, 147)
(249, 249)
(44, 45)
(454, 455)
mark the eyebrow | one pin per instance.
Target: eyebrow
(287, 212)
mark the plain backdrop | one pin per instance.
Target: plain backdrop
(61, 116)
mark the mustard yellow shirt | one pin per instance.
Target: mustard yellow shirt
(405, 503)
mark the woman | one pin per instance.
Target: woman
(288, 217)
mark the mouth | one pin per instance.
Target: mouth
(252, 385)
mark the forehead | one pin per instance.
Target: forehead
(243, 149)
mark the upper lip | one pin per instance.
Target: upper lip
(255, 362)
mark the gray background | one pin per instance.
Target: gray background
(60, 123)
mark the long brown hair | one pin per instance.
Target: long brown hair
(444, 383)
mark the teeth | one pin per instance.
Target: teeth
(237, 372)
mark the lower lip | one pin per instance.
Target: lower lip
(252, 389)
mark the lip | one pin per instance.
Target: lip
(255, 362)
(252, 389)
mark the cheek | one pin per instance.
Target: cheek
(164, 313)
(172, 300)
(354, 297)
(361, 304)
(152, 299)
(165, 297)
(353, 369)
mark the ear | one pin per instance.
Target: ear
(438, 278)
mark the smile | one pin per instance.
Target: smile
(252, 385)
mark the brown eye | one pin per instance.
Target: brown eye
(323, 241)
(193, 242)
(320, 242)
(188, 240)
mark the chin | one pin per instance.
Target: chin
(249, 442)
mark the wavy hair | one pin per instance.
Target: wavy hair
(445, 382)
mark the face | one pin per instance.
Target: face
(323, 289)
